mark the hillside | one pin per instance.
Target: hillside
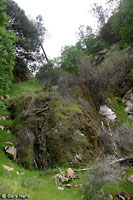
(46, 131)
(66, 125)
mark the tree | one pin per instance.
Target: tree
(119, 26)
(69, 59)
(92, 45)
(7, 54)
(123, 21)
(100, 13)
(88, 42)
(30, 35)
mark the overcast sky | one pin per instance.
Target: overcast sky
(62, 19)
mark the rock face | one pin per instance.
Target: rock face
(107, 112)
(48, 132)
(128, 100)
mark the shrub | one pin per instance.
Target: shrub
(119, 142)
(55, 76)
(100, 174)
(127, 34)
(111, 75)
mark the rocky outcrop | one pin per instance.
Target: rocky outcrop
(107, 112)
(48, 131)
(128, 100)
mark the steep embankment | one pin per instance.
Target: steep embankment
(51, 132)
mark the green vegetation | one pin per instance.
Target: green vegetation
(7, 54)
(31, 87)
(30, 35)
(119, 107)
(53, 119)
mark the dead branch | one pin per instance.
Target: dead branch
(127, 159)
(34, 112)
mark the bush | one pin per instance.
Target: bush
(101, 173)
(127, 34)
(55, 76)
(119, 143)
(112, 75)
(48, 75)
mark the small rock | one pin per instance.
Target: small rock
(18, 173)
(2, 118)
(2, 127)
(8, 131)
(9, 143)
(78, 156)
(60, 188)
(8, 168)
(110, 197)
(68, 186)
(130, 179)
(78, 185)
(80, 133)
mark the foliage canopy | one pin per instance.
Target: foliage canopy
(30, 35)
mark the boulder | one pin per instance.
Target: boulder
(70, 173)
(11, 150)
(107, 112)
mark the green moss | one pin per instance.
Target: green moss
(73, 107)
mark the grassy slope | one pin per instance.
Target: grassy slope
(39, 187)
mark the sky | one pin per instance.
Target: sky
(62, 19)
